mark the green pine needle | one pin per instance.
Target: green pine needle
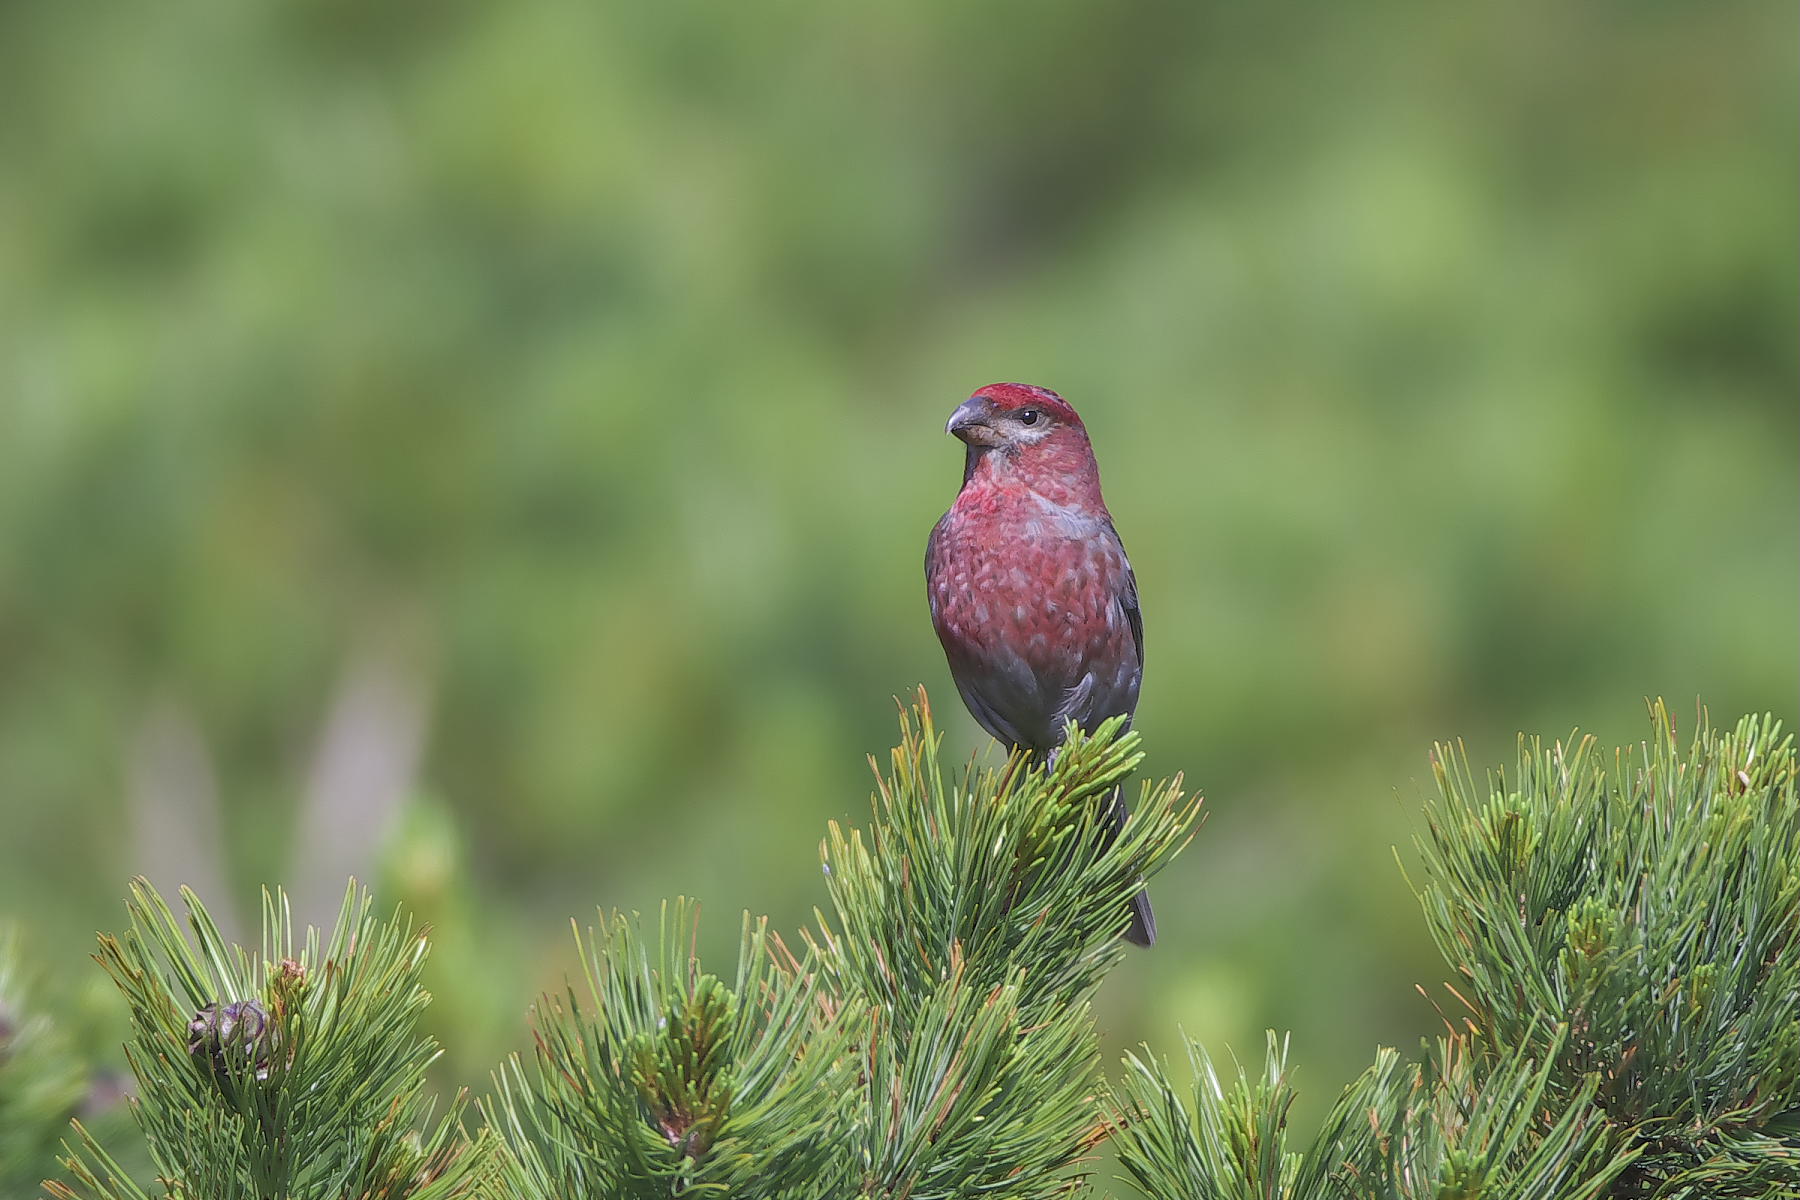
(1650, 906)
(995, 869)
(1625, 935)
(319, 1094)
(935, 1045)
(666, 1081)
(1456, 1126)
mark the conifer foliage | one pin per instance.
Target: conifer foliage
(1622, 936)
(1624, 999)
(666, 1081)
(1636, 924)
(932, 1040)
(976, 919)
(294, 1072)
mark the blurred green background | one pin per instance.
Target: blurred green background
(489, 448)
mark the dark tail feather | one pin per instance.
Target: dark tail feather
(1142, 930)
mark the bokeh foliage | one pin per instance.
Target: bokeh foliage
(43, 1081)
(542, 403)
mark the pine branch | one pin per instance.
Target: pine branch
(995, 871)
(1625, 940)
(294, 1072)
(1653, 911)
(969, 1099)
(1456, 1126)
(939, 1046)
(1232, 1142)
(667, 1081)
(1477, 1122)
(975, 918)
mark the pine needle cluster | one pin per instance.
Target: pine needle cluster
(666, 1081)
(1621, 935)
(1444, 1128)
(294, 1072)
(1623, 943)
(931, 1040)
(1636, 924)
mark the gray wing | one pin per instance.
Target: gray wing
(931, 554)
(1128, 599)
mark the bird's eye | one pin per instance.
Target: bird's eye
(1029, 416)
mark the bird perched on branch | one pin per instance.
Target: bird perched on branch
(1030, 590)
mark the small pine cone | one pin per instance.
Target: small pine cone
(240, 1030)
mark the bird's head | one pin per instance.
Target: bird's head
(1012, 416)
(1026, 432)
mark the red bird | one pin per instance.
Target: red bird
(1030, 590)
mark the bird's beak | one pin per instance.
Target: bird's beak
(971, 423)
